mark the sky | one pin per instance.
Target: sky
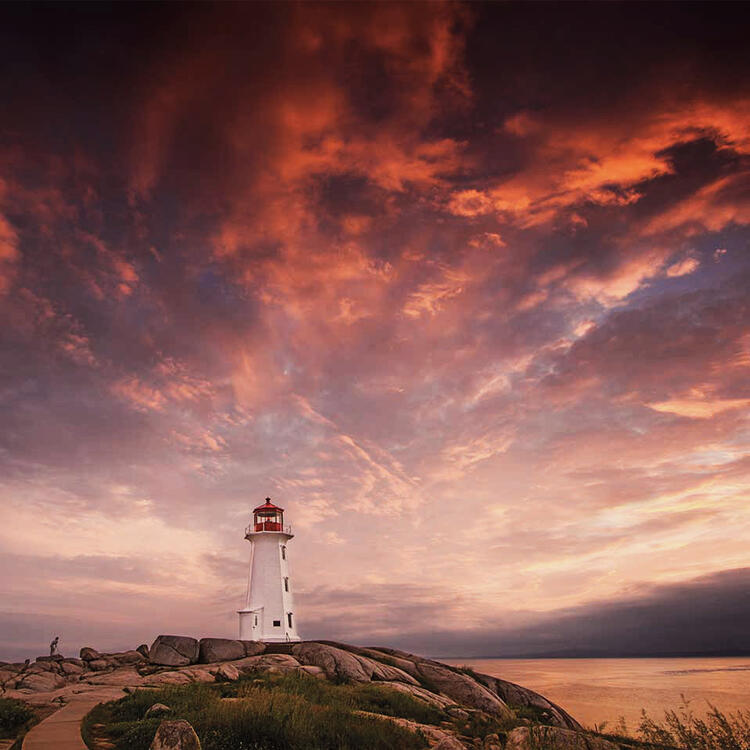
(462, 287)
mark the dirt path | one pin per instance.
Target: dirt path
(62, 730)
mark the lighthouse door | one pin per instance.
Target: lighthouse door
(257, 624)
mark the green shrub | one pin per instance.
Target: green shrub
(15, 716)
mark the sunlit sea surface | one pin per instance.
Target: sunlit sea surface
(603, 690)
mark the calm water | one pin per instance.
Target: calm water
(603, 690)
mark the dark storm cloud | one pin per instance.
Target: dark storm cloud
(704, 615)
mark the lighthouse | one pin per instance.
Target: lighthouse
(269, 610)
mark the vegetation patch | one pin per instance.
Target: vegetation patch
(270, 712)
(683, 729)
(360, 696)
(16, 717)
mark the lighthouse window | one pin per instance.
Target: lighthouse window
(283, 553)
(289, 617)
(286, 584)
(256, 621)
(277, 623)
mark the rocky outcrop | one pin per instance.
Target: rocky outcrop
(41, 682)
(438, 739)
(555, 738)
(347, 665)
(211, 650)
(175, 735)
(511, 694)
(100, 665)
(8, 678)
(127, 657)
(174, 651)
(337, 664)
(71, 668)
(279, 663)
(461, 695)
(433, 699)
(143, 650)
(517, 696)
(227, 672)
(173, 678)
(253, 648)
(462, 688)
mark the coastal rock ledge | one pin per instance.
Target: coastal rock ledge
(515, 717)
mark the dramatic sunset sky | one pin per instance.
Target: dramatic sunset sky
(464, 288)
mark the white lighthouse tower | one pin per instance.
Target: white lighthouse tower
(269, 610)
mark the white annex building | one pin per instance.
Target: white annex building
(269, 610)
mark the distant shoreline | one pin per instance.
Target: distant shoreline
(594, 655)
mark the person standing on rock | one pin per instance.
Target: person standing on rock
(53, 646)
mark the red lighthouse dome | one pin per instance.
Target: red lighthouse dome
(268, 517)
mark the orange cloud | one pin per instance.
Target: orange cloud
(9, 254)
(600, 162)
(170, 382)
(683, 267)
(713, 207)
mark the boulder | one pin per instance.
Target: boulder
(555, 738)
(227, 672)
(78, 662)
(169, 678)
(253, 648)
(89, 654)
(158, 709)
(337, 663)
(404, 665)
(347, 664)
(7, 676)
(99, 665)
(42, 666)
(515, 695)
(175, 735)
(199, 674)
(174, 651)
(463, 689)
(16, 667)
(41, 682)
(269, 662)
(69, 668)
(211, 650)
(121, 677)
(143, 650)
(128, 657)
(438, 701)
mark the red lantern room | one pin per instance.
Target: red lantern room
(268, 517)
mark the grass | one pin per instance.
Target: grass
(15, 717)
(274, 712)
(365, 696)
(684, 730)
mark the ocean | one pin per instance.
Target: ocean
(602, 691)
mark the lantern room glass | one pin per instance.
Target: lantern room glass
(271, 519)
